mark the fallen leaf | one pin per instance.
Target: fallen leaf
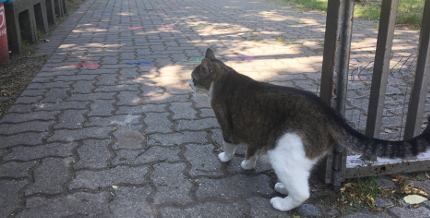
(414, 199)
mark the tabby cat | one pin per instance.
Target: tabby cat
(291, 128)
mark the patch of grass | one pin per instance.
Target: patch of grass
(320, 5)
(26, 47)
(364, 190)
(409, 12)
(41, 34)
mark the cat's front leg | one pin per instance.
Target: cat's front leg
(228, 153)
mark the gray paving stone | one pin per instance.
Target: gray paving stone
(83, 87)
(28, 100)
(182, 110)
(19, 108)
(234, 186)
(118, 121)
(144, 156)
(91, 96)
(157, 123)
(28, 117)
(72, 205)
(79, 134)
(140, 109)
(25, 153)
(165, 98)
(76, 78)
(106, 80)
(150, 89)
(70, 105)
(89, 179)
(71, 119)
(207, 209)
(179, 138)
(129, 98)
(58, 84)
(101, 108)
(201, 124)
(15, 169)
(93, 154)
(10, 197)
(129, 139)
(32, 126)
(172, 186)
(400, 212)
(55, 95)
(204, 112)
(261, 207)
(131, 202)
(50, 176)
(22, 139)
(203, 161)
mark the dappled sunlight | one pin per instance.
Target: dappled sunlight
(267, 45)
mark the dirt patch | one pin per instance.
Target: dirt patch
(20, 71)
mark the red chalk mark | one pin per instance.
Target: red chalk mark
(87, 65)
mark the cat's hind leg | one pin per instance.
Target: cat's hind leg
(250, 158)
(281, 188)
(292, 167)
(228, 153)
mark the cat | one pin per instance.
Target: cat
(291, 128)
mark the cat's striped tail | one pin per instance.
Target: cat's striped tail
(357, 141)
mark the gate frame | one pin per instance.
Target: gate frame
(337, 46)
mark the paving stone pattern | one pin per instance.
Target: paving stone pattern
(110, 128)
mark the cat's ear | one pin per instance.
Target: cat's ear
(210, 54)
(207, 67)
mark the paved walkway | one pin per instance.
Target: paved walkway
(110, 128)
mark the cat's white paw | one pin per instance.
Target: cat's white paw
(279, 204)
(247, 164)
(223, 157)
(280, 188)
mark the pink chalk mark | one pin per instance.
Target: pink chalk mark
(136, 28)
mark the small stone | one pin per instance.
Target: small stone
(383, 202)
(308, 210)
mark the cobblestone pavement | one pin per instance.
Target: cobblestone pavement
(110, 128)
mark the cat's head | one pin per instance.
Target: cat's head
(203, 76)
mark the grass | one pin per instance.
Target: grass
(363, 190)
(409, 11)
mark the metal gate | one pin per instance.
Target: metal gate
(334, 79)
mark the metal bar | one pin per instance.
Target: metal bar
(339, 152)
(422, 74)
(386, 169)
(327, 71)
(330, 45)
(337, 47)
(382, 67)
